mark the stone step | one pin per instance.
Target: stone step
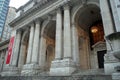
(89, 72)
(78, 77)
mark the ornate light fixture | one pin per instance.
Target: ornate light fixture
(94, 29)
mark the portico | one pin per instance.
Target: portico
(56, 38)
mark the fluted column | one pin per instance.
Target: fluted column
(58, 49)
(42, 56)
(30, 46)
(75, 46)
(36, 42)
(1, 60)
(16, 49)
(22, 55)
(67, 32)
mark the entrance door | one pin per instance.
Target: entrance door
(100, 55)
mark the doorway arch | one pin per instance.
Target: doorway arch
(48, 32)
(84, 18)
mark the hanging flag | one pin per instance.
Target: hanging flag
(10, 50)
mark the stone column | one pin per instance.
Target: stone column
(65, 66)
(22, 55)
(30, 46)
(58, 49)
(1, 60)
(106, 17)
(42, 56)
(16, 49)
(75, 46)
(36, 42)
(6, 56)
(67, 32)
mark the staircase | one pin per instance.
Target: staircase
(89, 72)
(77, 75)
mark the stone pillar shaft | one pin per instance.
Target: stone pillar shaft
(1, 60)
(58, 49)
(30, 46)
(16, 49)
(36, 42)
(42, 56)
(75, 46)
(22, 55)
(67, 33)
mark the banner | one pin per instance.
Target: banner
(10, 50)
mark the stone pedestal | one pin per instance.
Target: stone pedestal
(62, 67)
(115, 46)
(110, 63)
(109, 67)
(30, 69)
(10, 71)
(116, 76)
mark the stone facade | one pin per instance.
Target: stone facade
(61, 37)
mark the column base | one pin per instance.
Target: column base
(30, 69)
(110, 67)
(10, 71)
(63, 67)
(116, 76)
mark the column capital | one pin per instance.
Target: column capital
(59, 10)
(66, 5)
(31, 23)
(38, 20)
(19, 31)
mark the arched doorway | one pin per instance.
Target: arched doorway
(88, 20)
(49, 35)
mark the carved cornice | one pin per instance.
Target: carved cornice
(37, 11)
(37, 6)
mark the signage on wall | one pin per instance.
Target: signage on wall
(117, 4)
(10, 50)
